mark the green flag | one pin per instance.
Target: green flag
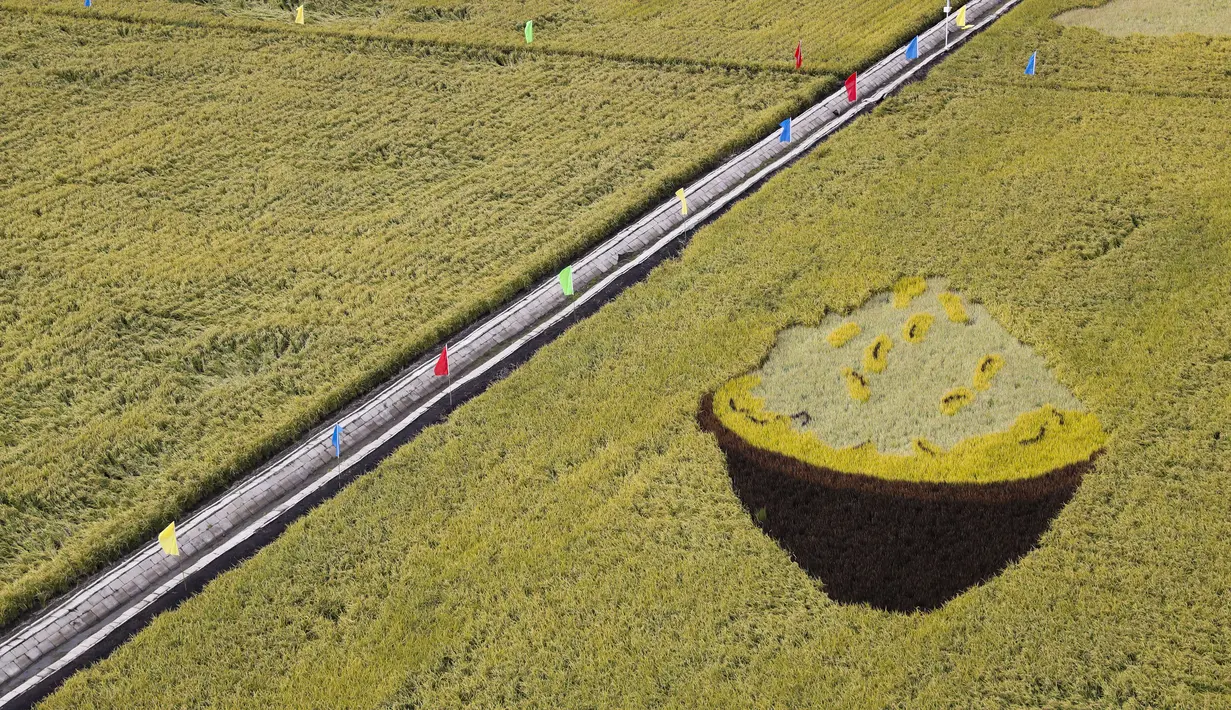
(566, 281)
(529, 31)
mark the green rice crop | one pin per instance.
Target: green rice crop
(213, 238)
(838, 36)
(570, 538)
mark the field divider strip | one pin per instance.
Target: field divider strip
(233, 23)
(88, 622)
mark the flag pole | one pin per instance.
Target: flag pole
(184, 571)
(947, 25)
(442, 370)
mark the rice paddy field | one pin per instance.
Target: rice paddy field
(838, 36)
(571, 538)
(1127, 17)
(214, 237)
(220, 226)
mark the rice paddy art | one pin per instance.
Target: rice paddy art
(905, 452)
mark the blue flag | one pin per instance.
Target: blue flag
(87, 3)
(337, 440)
(785, 137)
(912, 49)
(1030, 64)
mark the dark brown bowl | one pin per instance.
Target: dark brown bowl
(896, 545)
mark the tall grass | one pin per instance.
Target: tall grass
(570, 538)
(213, 238)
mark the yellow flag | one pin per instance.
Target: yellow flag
(166, 538)
(683, 202)
(299, 15)
(961, 18)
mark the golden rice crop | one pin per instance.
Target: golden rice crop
(838, 35)
(213, 238)
(571, 539)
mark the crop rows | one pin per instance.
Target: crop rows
(571, 539)
(213, 238)
(838, 35)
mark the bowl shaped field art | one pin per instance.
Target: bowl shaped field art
(905, 452)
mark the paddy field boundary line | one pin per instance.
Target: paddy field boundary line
(500, 52)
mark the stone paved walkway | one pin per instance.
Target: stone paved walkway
(86, 623)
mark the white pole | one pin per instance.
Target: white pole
(947, 8)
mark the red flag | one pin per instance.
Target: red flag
(442, 363)
(799, 54)
(850, 88)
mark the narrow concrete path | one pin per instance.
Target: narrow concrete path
(89, 622)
